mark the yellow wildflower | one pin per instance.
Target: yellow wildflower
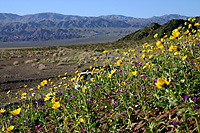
(43, 83)
(143, 56)
(94, 58)
(185, 23)
(172, 48)
(16, 111)
(24, 94)
(10, 128)
(196, 24)
(64, 78)
(23, 97)
(151, 56)
(131, 74)
(56, 105)
(2, 110)
(92, 80)
(161, 81)
(84, 88)
(33, 94)
(159, 44)
(8, 92)
(177, 52)
(156, 35)
(184, 57)
(80, 120)
(53, 100)
(193, 19)
(189, 26)
(119, 62)
(189, 19)
(105, 51)
(47, 97)
(117, 50)
(144, 51)
(179, 27)
(72, 79)
(111, 73)
(175, 33)
(38, 86)
(186, 32)
(144, 67)
(124, 83)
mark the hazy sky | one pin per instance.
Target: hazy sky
(133, 8)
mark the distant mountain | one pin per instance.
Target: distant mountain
(161, 19)
(49, 30)
(8, 17)
(51, 26)
(148, 32)
(55, 17)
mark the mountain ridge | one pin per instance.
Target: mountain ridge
(148, 32)
(53, 26)
(9, 17)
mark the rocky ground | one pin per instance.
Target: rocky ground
(20, 67)
(30, 66)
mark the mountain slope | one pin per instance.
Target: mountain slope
(49, 30)
(142, 34)
(148, 32)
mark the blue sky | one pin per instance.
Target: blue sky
(133, 8)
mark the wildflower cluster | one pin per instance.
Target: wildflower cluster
(153, 87)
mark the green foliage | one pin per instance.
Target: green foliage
(157, 94)
(148, 32)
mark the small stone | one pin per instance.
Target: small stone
(60, 64)
(55, 54)
(41, 67)
(35, 60)
(16, 63)
(28, 61)
(33, 65)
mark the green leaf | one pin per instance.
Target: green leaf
(158, 121)
(181, 111)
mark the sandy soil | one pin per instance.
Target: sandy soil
(15, 77)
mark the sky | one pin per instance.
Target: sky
(132, 8)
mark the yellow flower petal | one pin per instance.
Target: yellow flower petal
(10, 128)
(56, 105)
(16, 111)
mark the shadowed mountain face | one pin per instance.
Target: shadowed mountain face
(52, 26)
(148, 32)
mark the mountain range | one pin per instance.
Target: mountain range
(53, 26)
